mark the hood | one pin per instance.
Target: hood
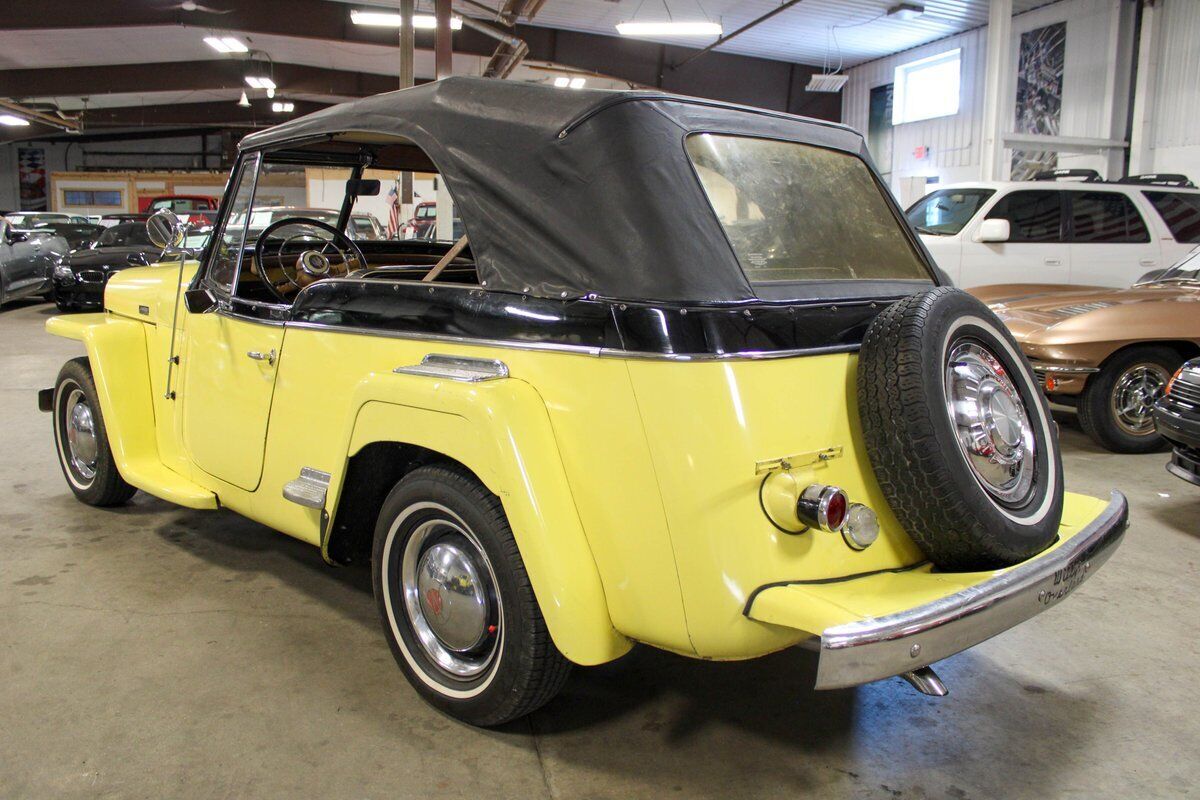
(1091, 313)
(110, 258)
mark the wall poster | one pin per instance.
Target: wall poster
(879, 129)
(1039, 95)
(31, 178)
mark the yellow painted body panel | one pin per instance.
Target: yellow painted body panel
(814, 608)
(630, 485)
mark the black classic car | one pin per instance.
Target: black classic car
(79, 280)
(1177, 418)
(27, 260)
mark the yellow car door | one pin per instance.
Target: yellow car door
(230, 368)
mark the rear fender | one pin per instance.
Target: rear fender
(500, 430)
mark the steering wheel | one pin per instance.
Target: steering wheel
(297, 251)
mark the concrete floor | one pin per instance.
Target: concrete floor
(151, 651)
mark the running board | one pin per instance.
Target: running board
(309, 489)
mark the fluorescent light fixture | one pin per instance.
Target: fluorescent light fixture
(906, 10)
(226, 44)
(283, 107)
(388, 19)
(562, 81)
(667, 28)
(578, 83)
(259, 82)
(9, 119)
(826, 83)
(244, 102)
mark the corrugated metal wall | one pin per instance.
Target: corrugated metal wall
(1175, 121)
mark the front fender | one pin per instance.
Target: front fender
(501, 431)
(116, 350)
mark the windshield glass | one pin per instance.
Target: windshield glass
(1186, 270)
(795, 212)
(127, 235)
(946, 211)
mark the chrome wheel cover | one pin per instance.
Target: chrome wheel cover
(83, 447)
(450, 598)
(990, 422)
(1133, 397)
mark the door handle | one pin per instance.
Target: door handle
(1148, 262)
(268, 356)
(1053, 262)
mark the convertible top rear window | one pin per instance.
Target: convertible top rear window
(794, 212)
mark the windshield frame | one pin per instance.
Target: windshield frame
(792, 291)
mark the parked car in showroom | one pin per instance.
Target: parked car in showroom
(31, 219)
(1108, 352)
(80, 279)
(76, 234)
(1087, 232)
(27, 260)
(181, 204)
(553, 438)
(1177, 418)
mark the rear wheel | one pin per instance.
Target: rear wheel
(1117, 406)
(457, 606)
(82, 441)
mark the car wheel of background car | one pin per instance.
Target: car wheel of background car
(82, 443)
(457, 606)
(958, 432)
(1117, 405)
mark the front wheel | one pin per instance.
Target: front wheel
(1116, 408)
(458, 609)
(82, 440)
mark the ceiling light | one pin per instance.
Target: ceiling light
(226, 44)
(270, 91)
(667, 28)
(578, 83)
(826, 83)
(260, 82)
(283, 107)
(386, 19)
(244, 102)
(906, 10)
(562, 81)
(9, 119)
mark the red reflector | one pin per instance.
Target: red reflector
(835, 512)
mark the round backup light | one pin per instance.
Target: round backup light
(823, 507)
(862, 527)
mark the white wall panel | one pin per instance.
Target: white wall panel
(1178, 92)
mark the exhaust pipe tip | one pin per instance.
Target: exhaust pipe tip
(926, 681)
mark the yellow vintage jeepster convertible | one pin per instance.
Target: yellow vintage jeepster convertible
(682, 377)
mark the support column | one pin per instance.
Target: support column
(1141, 132)
(995, 84)
(408, 79)
(442, 43)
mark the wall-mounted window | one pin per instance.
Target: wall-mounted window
(928, 88)
(93, 197)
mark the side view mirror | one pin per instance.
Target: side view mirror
(199, 301)
(993, 230)
(165, 229)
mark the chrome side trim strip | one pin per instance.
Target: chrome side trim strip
(872, 649)
(600, 352)
(1041, 369)
(457, 368)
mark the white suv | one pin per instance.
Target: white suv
(1088, 232)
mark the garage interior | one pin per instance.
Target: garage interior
(151, 650)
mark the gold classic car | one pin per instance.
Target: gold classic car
(1107, 352)
(688, 379)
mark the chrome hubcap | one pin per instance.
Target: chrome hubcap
(990, 422)
(1134, 395)
(82, 445)
(450, 598)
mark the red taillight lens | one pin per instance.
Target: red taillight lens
(823, 507)
(835, 512)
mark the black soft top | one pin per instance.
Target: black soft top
(568, 193)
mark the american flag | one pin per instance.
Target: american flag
(393, 198)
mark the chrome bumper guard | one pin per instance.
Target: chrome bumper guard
(872, 649)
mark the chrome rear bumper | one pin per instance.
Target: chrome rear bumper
(872, 649)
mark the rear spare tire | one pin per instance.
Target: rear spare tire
(959, 433)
